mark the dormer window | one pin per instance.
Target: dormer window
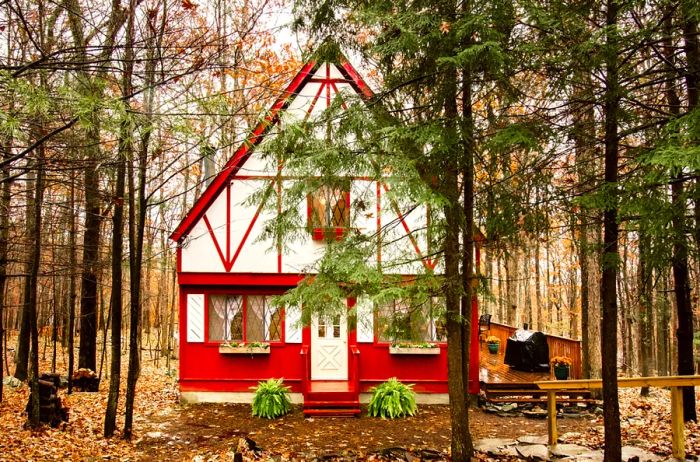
(329, 213)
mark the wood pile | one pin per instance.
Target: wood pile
(86, 380)
(51, 411)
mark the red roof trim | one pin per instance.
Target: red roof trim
(244, 151)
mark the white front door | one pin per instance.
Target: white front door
(329, 347)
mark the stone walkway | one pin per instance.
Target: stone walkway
(536, 448)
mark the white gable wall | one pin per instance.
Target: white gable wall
(200, 255)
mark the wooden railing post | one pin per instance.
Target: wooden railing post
(677, 425)
(675, 383)
(552, 417)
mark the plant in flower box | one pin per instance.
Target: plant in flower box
(419, 348)
(413, 345)
(243, 347)
(561, 366)
(493, 343)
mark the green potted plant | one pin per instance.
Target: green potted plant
(561, 366)
(493, 343)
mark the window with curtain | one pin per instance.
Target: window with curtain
(243, 318)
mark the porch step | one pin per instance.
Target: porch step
(521, 399)
(332, 408)
(329, 386)
(508, 385)
(332, 412)
(331, 398)
(334, 403)
(537, 392)
(521, 392)
(331, 392)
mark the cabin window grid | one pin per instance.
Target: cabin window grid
(411, 321)
(243, 318)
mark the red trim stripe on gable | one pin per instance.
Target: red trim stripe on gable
(227, 260)
(243, 152)
(427, 262)
(235, 163)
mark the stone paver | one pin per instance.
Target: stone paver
(533, 451)
(532, 439)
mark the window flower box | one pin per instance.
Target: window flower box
(329, 234)
(414, 349)
(244, 349)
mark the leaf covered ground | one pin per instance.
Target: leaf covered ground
(164, 429)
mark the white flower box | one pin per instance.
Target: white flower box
(244, 350)
(403, 350)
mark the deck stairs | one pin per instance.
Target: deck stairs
(528, 392)
(331, 398)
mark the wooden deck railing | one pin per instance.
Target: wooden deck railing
(675, 383)
(558, 346)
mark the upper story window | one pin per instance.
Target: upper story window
(329, 212)
(243, 318)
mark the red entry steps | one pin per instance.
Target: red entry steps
(331, 399)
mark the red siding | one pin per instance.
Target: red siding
(203, 368)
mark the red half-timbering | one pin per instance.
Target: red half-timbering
(225, 282)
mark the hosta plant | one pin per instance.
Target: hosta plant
(271, 399)
(392, 399)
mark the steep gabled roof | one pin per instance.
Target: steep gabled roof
(261, 130)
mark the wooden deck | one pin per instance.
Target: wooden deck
(492, 370)
(502, 384)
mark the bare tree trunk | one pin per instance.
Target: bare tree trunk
(611, 410)
(623, 318)
(468, 266)
(461, 442)
(24, 337)
(538, 287)
(90, 86)
(645, 302)
(692, 80)
(663, 323)
(5, 198)
(137, 221)
(511, 287)
(502, 284)
(72, 296)
(679, 261)
(527, 300)
(124, 152)
(35, 261)
(87, 355)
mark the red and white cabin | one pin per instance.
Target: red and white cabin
(226, 275)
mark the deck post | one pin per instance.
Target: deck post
(677, 425)
(552, 417)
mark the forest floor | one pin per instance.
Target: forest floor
(164, 429)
